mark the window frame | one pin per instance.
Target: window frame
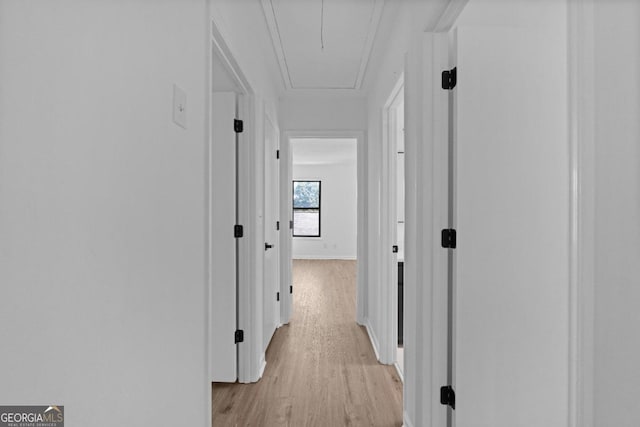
(294, 209)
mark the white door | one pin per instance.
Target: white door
(511, 215)
(272, 295)
(223, 243)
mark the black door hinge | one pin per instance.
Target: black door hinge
(277, 296)
(448, 396)
(277, 225)
(238, 125)
(277, 154)
(449, 79)
(238, 231)
(449, 238)
(290, 225)
(239, 336)
(394, 249)
(291, 289)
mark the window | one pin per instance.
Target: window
(306, 208)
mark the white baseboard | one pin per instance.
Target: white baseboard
(399, 371)
(263, 365)
(340, 257)
(373, 339)
(406, 421)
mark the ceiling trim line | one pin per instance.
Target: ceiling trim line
(276, 41)
(449, 16)
(368, 46)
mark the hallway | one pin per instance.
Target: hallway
(321, 369)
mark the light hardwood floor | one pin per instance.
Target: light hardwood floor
(321, 368)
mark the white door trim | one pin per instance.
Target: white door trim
(426, 142)
(581, 88)
(249, 350)
(388, 271)
(450, 15)
(286, 242)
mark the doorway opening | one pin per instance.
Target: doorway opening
(393, 223)
(324, 198)
(396, 140)
(231, 109)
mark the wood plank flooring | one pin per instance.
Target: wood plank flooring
(321, 369)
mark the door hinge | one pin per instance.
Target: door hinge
(239, 336)
(238, 231)
(449, 238)
(238, 125)
(449, 79)
(290, 225)
(291, 289)
(277, 154)
(277, 225)
(448, 396)
(394, 249)
(277, 296)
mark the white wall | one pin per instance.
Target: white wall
(322, 112)
(617, 216)
(102, 221)
(338, 209)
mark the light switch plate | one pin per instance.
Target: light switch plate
(179, 106)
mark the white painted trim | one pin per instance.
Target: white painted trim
(208, 404)
(395, 92)
(249, 287)
(406, 420)
(276, 42)
(386, 261)
(325, 257)
(372, 339)
(581, 96)
(286, 239)
(399, 371)
(362, 244)
(252, 244)
(224, 53)
(439, 165)
(426, 132)
(263, 364)
(368, 46)
(450, 15)
(283, 290)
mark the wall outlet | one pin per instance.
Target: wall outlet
(179, 106)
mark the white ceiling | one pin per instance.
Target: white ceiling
(323, 151)
(347, 28)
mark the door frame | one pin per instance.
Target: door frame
(581, 102)
(425, 268)
(581, 110)
(286, 169)
(248, 300)
(268, 118)
(388, 221)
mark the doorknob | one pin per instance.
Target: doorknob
(267, 246)
(394, 249)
